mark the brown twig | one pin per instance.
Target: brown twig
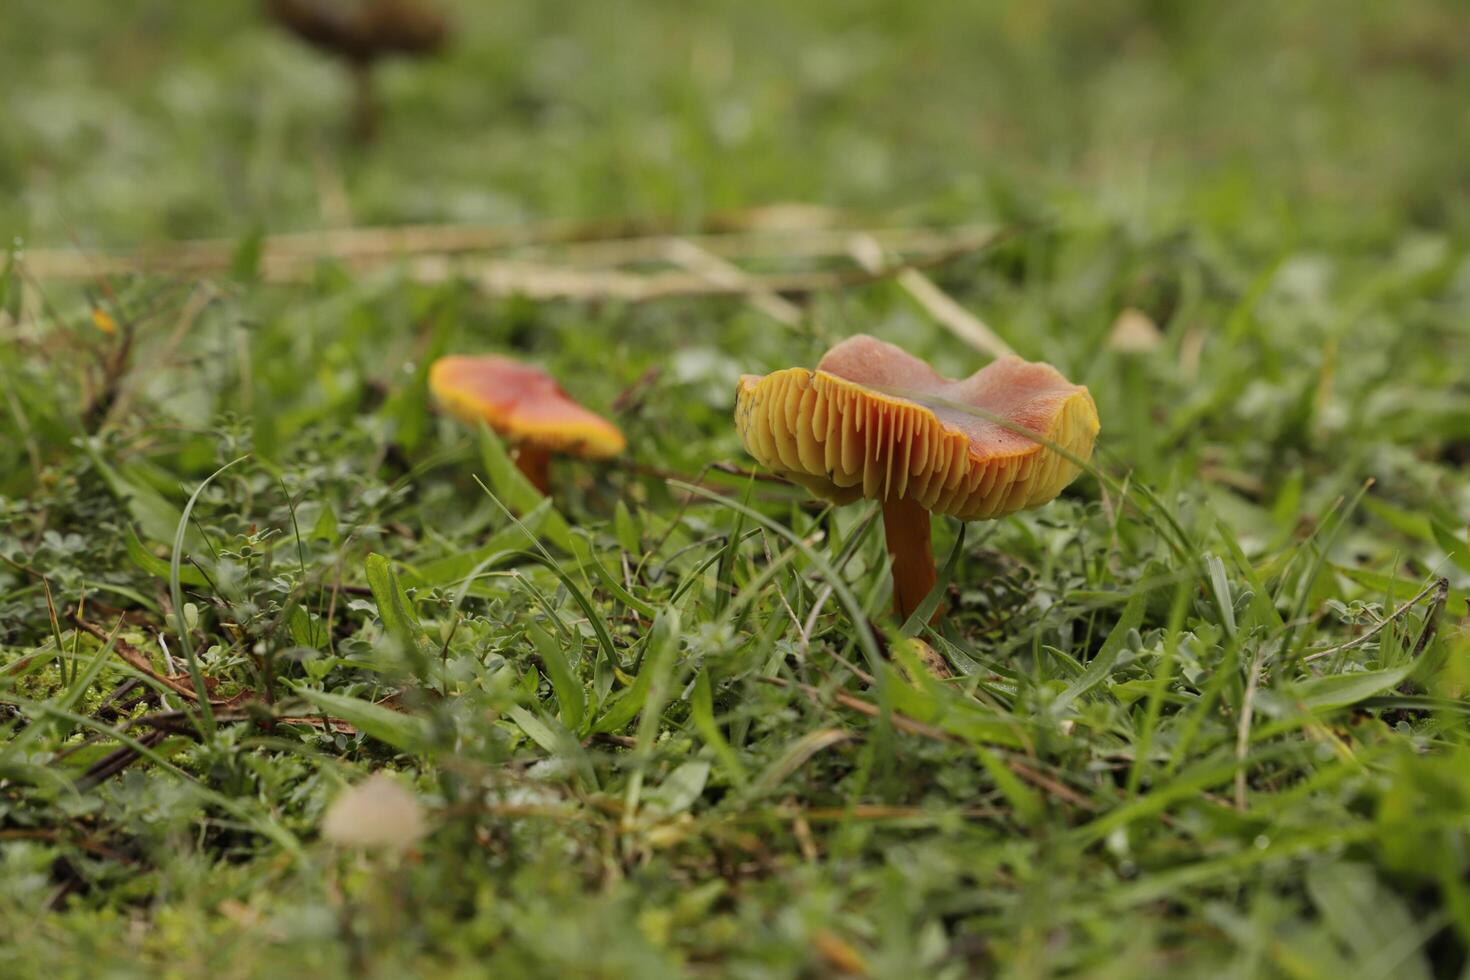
(117, 760)
(137, 659)
(111, 702)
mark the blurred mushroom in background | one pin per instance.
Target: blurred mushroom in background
(528, 407)
(361, 33)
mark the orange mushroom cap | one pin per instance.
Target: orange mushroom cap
(522, 403)
(838, 431)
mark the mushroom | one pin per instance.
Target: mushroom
(873, 421)
(526, 406)
(361, 32)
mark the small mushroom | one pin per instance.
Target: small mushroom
(873, 421)
(526, 406)
(362, 32)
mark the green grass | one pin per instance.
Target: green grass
(658, 731)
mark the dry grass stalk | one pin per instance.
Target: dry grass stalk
(870, 254)
(564, 259)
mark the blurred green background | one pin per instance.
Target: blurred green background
(154, 119)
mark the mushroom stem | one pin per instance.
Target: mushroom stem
(906, 529)
(536, 465)
(364, 101)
